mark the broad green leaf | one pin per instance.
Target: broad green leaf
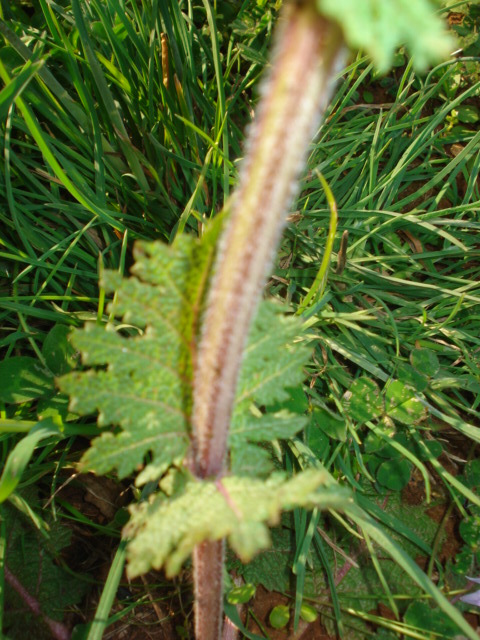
(318, 441)
(55, 407)
(366, 402)
(272, 368)
(408, 524)
(402, 403)
(58, 352)
(271, 362)
(297, 402)
(472, 473)
(404, 560)
(163, 531)
(386, 450)
(23, 378)
(470, 530)
(425, 361)
(394, 474)
(141, 390)
(468, 114)
(272, 568)
(422, 616)
(411, 377)
(431, 449)
(331, 425)
(257, 428)
(386, 539)
(40, 569)
(373, 443)
(379, 27)
(250, 460)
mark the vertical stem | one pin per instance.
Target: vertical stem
(58, 630)
(208, 582)
(309, 50)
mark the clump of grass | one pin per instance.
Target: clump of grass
(123, 124)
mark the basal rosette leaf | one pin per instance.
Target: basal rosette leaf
(164, 531)
(379, 27)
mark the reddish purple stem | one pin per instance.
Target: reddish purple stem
(59, 630)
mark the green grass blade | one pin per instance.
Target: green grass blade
(21, 454)
(100, 621)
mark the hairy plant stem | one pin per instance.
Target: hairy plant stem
(207, 578)
(308, 52)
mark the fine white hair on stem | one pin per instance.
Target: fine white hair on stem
(307, 55)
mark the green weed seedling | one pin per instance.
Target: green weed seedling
(190, 375)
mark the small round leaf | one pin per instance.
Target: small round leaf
(58, 351)
(333, 427)
(425, 361)
(470, 530)
(241, 594)
(308, 613)
(366, 402)
(394, 474)
(472, 473)
(390, 452)
(467, 113)
(410, 376)
(434, 450)
(279, 616)
(402, 404)
(373, 443)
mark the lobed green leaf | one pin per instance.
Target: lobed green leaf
(272, 364)
(163, 531)
(379, 27)
(146, 386)
(144, 383)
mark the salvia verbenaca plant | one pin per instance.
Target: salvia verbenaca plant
(186, 388)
